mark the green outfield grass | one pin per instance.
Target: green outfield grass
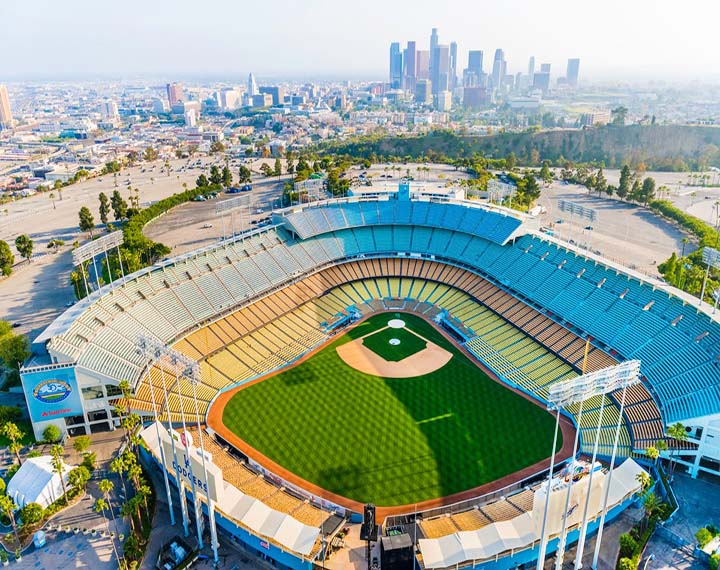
(392, 441)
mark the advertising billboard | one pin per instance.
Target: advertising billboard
(51, 392)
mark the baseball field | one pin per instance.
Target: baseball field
(426, 423)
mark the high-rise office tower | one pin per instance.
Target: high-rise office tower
(453, 65)
(499, 68)
(174, 93)
(252, 88)
(573, 71)
(541, 80)
(423, 92)
(433, 45)
(440, 69)
(531, 68)
(473, 74)
(409, 66)
(6, 120)
(109, 109)
(422, 64)
(544, 68)
(395, 65)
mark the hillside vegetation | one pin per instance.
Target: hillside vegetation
(658, 147)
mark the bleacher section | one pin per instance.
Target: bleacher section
(552, 294)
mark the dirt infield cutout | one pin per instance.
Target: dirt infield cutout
(361, 358)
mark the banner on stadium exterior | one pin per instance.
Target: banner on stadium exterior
(188, 463)
(51, 392)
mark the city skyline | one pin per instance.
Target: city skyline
(153, 40)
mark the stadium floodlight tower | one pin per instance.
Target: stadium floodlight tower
(575, 209)
(91, 250)
(182, 366)
(230, 206)
(577, 391)
(711, 258)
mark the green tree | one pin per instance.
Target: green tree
(217, 146)
(101, 506)
(79, 476)
(104, 207)
(87, 222)
(51, 434)
(202, 181)
(619, 114)
(227, 178)
(215, 176)
(119, 205)
(13, 352)
(31, 513)
(266, 170)
(81, 443)
(703, 537)
(150, 154)
(278, 167)
(7, 508)
(511, 161)
(24, 245)
(635, 191)
(11, 431)
(647, 192)
(545, 174)
(678, 433)
(244, 175)
(627, 545)
(624, 184)
(652, 453)
(57, 453)
(600, 182)
(6, 258)
(55, 244)
(117, 465)
(106, 486)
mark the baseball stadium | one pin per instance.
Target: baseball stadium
(396, 351)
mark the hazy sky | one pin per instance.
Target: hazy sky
(315, 38)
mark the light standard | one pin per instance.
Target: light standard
(647, 561)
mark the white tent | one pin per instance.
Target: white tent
(37, 482)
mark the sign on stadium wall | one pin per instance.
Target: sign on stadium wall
(51, 392)
(187, 461)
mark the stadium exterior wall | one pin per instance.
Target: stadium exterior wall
(254, 544)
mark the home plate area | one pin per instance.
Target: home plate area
(393, 351)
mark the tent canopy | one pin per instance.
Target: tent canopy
(37, 482)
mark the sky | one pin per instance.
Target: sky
(646, 39)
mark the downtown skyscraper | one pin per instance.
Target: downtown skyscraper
(396, 66)
(6, 120)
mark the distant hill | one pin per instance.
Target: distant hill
(659, 147)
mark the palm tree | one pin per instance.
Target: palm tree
(15, 435)
(652, 453)
(7, 508)
(106, 486)
(52, 197)
(117, 465)
(678, 433)
(645, 480)
(101, 506)
(58, 451)
(651, 503)
(684, 241)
